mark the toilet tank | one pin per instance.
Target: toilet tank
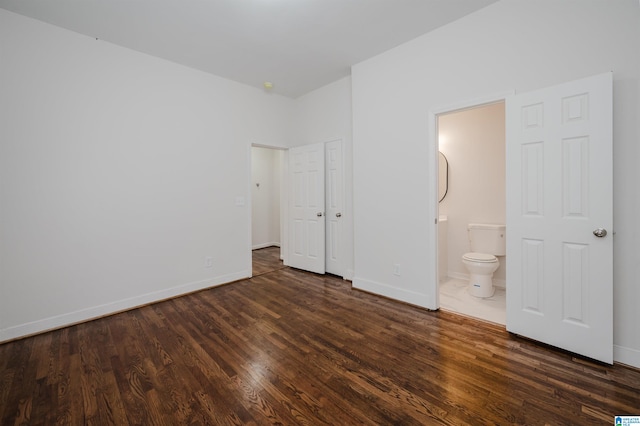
(487, 238)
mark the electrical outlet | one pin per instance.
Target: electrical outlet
(208, 262)
(396, 269)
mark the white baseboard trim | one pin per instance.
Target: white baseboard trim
(264, 245)
(348, 275)
(460, 276)
(395, 293)
(626, 356)
(87, 314)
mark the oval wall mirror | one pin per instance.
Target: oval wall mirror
(443, 177)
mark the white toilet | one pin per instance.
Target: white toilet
(487, 241)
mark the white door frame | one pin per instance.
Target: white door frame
(433, 290)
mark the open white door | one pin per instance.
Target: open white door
(306, 208)
(559, 216)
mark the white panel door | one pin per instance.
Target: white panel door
(335, 207)
(559, 198)
(306, 208)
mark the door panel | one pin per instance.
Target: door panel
(306, 208)
(559, 190)
(335, 207)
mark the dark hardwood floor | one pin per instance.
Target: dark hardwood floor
(266, 260)
(289, 347)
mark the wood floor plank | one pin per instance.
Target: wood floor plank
(289, 347)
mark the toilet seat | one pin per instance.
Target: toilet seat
(480, 257)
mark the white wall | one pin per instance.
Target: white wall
(119, 174)
(473, 140)
(322, 116)
(266, 177)
(510, 45)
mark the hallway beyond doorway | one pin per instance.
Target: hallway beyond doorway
(266, 260)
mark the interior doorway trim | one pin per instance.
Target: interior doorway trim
(433, 149)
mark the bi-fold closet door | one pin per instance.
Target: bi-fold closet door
(316, 208)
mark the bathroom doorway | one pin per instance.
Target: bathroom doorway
(472, 140)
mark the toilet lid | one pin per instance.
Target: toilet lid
(480, 257)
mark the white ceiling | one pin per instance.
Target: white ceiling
(298, 45)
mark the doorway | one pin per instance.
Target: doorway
(472, 140)
(267, 183)
(558, 186)
(272, 180)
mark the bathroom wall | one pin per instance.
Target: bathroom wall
(266, 177)
(473, 141)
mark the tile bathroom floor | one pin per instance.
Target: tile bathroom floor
(455, 297)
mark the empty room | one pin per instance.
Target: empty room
(319, 212)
